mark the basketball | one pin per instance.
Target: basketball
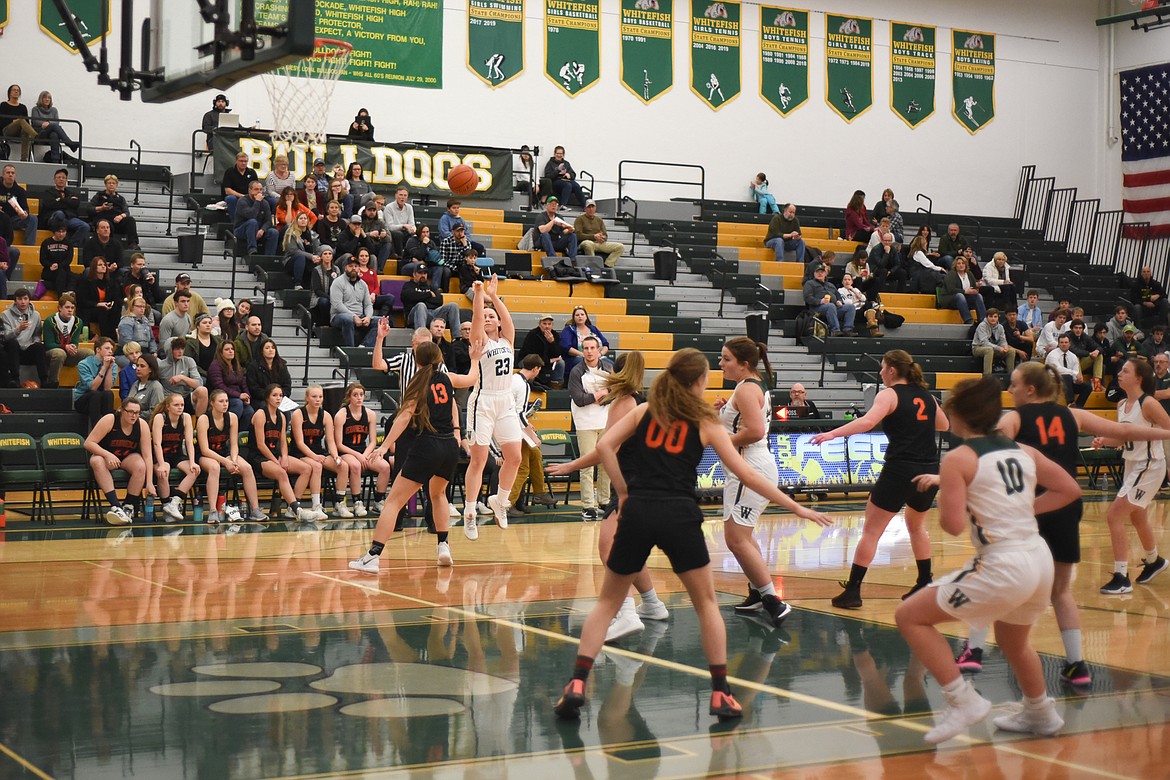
(30, 384)
(462, 179)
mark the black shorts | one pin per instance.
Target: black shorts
(674, 525)
(174, 458)
(430, 456)
(255, 459)
(895, 487)
(1062, 531)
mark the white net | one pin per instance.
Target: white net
(301, 92)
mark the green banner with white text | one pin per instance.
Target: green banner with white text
(647, 28)
(973, 78)
(495, 40)
(784, 58)
(849, 65)
(572, 44)
(912, 51)
(715, 43)
(397, 42)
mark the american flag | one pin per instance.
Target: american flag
(1145, 147)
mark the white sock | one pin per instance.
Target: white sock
(627, 605)
(768, 589)
(1072, 644)
(1121, 567)
(649, 597)
(955, 685)
(1151, 555)
(977, 638)
(1036, 703)
(316, 498)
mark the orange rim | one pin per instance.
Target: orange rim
(327, 48)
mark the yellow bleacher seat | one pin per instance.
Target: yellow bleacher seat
(549, 304)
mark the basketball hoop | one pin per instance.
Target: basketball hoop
(301, 91)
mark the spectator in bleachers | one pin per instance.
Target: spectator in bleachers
(377, 232)
(102, 244)
(180, 374)
(121, 441)
(210, 121)
(1155, 343)
(951, 245)
(354, 238)
(146, 389)
(931, 254)
(1050, 333)
(278, 181)
(974, 265)
(784, 234)
(1076, 389)
(399, 218)
(798, 399)
(243, 312)
(268, 368)
(93, 395)
(137, 326)
(865, 276)
(1031, 317)
(1015, 339)
(62, 203)
(564, 179)
(998, 289)
(554, 234)
(224, 325)
(178, 323)
(302, 251)
(350, 307)
(137, 274)
(253, 221)
(438, 329)
(322, 279)
(56, 257)
(183, 284)
(203, 344)
(881, 208)
(228, 375)
(316, 187)
(758, 186)
(452, 253)
(46, 121)
(127, 360)
(331, 227)
(250, 341)
(592, 237)
(578, 328)
(236, 183)
(112, 206)
(587, 389)
(9, 254)
(925, 276)
(62, 338)
(959, 289)
(867, 308)
(421, 248)
(1088, 354)
(14, 124)
(990, 343)
(883, 227)
(1118, 322)
(21, 341)
(1102, 343)
(1125, 347)
(823, 298)
(422, 303)
(461, 352)
(359, 188)
(369, 276)
(1148, 297)
(337, 192)
(897, 224)
(542, 341)
(98, 297)
(885, 261)
(14, 204)
(450, 219)
(858, 225)
(362, 127)
(287, 207)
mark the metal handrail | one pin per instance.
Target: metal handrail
(136, 161)
(633, 224)
(304, 322)
(929, 210)
(582, 175)
(702, 183)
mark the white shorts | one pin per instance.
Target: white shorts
(1012, 584)
(745, 506)
(1142, 480)
(492, 415)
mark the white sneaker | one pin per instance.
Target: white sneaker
(359, 509)
(378, 506)
(319, 512)
(499, 506)
(626, 622)
(483, 509)
(214, 518)
(444, 554)
(117, 515)
(173, 510)
(470, 525)
(1041, 720)
(653, 611)
(454, 512)
(964, 708)
(342, 511)
(367, 563)
(306, 515)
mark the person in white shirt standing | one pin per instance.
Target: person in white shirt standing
(399, 219)
(586, 389)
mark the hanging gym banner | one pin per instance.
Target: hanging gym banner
(715, 76)
(973, 78)
(394, 42)
(849, 65)
(572, 44)
(89, 18)
(647, 47)
(784, 58)
(495, 40)
(421, 168)
(912, 71)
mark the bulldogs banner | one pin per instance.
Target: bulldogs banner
(784, 58)
(495, 40)
(647, 47)
(421, 168)
(912, 71)
(715, 75)
(849, 64)
(973, 78)
(572, 44)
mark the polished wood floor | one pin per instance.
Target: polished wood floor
(183, 651)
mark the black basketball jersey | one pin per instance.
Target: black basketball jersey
(120, 443)
(355, 431)
(313, 431)
(440, 399)
(662, 460)
(273, 431)
(1052, 429)
(171, 440)
(910, 427)
(219, 439)
(626, 456)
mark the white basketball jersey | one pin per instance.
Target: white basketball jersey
(1001, 496)
(1130, 412)
(733, 421)
(495, 368)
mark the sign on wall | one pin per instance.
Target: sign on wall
(973, 78)
(852, 460)
(572, 44)
(397, 42)
(647, 29)
(784, 58)
(89, 18)
(849, 65)
(495, 40)
(715, 33)
(912, 50)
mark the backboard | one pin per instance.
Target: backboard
(213, 45)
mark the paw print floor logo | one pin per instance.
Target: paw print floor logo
(387, 690)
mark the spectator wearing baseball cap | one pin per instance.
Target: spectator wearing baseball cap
(350, 307)
(323, 276)
(594, 239)
(354, 238)
(317, 186)
(545, 342)
(183, 283)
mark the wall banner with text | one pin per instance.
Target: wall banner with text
(495, 40)
(849, 65)
(784, 58)
(973, 78)
(912, 71)
(647, 30)
(572, 44)
(715, 37)
(397, 42)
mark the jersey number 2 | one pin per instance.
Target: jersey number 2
(921, 406)
(671, 439)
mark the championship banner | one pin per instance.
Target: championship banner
(89, 18)
(912, 71)
(572, 44)
(849, 63)
(715, 76)
(421, 168)
(5, 12)
(395, 42)
(495, 40)
(647, 47)
(973, 78)
(784, 58)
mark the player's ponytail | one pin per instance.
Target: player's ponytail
(628, 377)
(745, 350)
(904, 366)
(1042, 378)
(428, 358)
(671, 397)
